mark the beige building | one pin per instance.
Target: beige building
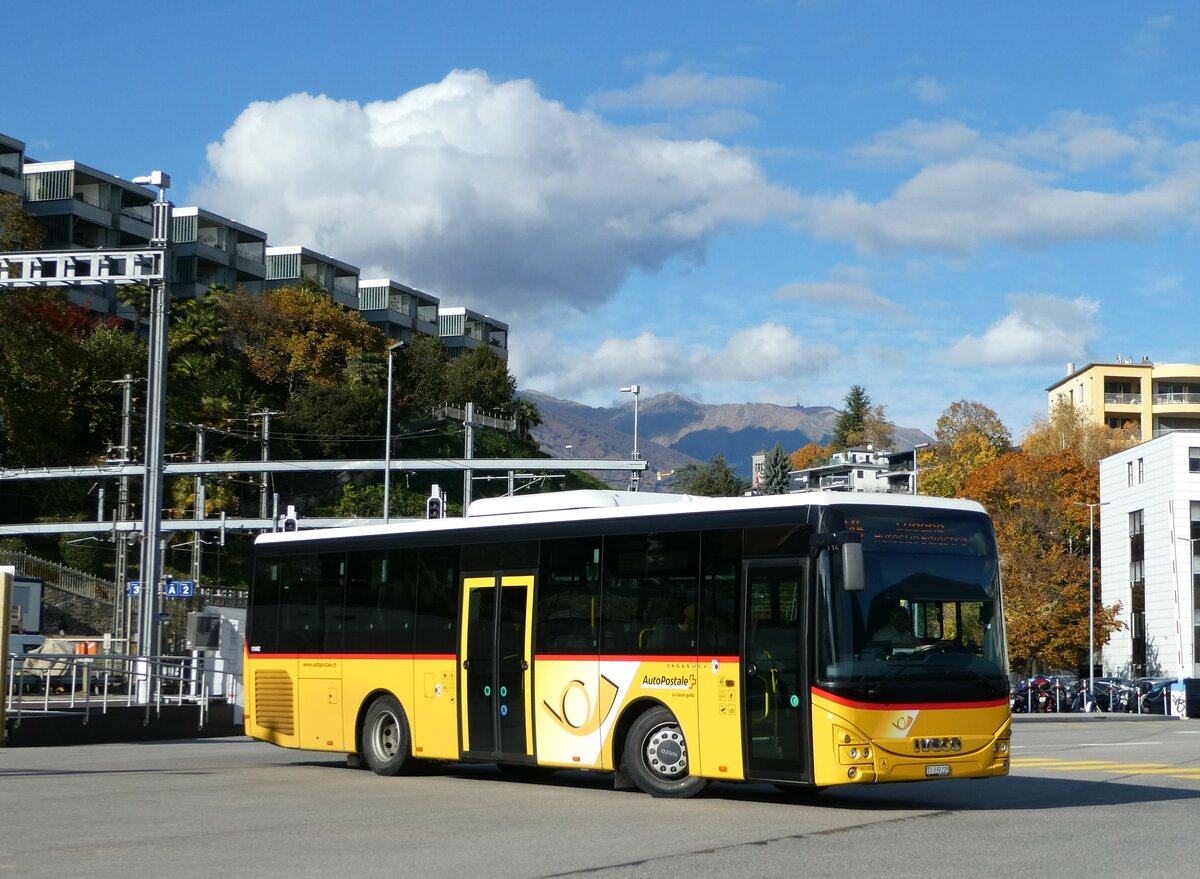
(1157, 398)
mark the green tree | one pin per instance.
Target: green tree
(18, 230)
(776, 478)
(714, 479)
(420, 375)
(481, 377)
(848, 427)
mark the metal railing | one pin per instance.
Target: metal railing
(1123, 399)
(40, 683)
(1178, 399)
(60, 576)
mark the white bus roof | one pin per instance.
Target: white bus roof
(582, 506)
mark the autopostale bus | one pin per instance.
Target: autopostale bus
(666, 639)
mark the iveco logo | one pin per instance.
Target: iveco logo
(925, 746)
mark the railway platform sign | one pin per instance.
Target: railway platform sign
(179, 589)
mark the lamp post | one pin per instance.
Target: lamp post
(916, 453)
(150, 568)
(387, 437)
(1091, 591)
(636, 390)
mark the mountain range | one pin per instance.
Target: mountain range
(674, 431)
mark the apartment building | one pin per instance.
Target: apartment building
(83, 208)
(209, 249)
(289, 264)
(1154, 397)
(463, 330)
(12, 165)
(398, 310)
(1149, 542)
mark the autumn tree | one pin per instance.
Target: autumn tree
(1044, 566)
(810, 455)
(18, 230)
(776, 477)
(1068, 427)
(296, 334)
(968, 435)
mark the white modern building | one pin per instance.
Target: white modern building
(1149, 543)
(210, 249)
(859, 470)
(289, 264)
(400, 311)
(464, 330)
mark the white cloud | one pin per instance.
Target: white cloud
(1076, 141)
(769, 351)
(1037, 329)
(922, 142)
(682, 89)
(929, 91)
(847, 288)
(1147, 41)
(959, 206)
(483, 192)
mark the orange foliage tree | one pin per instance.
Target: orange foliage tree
(1042, 534)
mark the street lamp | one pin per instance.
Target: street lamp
(635, 390)
(916, 450)
(387, 437)
(151, 568)
(1091, 590)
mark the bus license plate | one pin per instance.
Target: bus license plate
(938, 770)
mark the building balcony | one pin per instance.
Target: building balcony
(1177, 399)
(1122, 399)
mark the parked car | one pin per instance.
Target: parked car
(1154, 702)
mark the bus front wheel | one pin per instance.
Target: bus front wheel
(385, 740)
(656, 756)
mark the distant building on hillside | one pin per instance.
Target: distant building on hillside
(859, 469)
(1156, 398)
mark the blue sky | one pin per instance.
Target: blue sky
(754, 201)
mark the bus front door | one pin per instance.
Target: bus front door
(495, 656)
(776, 725)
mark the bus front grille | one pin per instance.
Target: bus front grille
(273, 701)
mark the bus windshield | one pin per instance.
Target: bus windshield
(929, 625)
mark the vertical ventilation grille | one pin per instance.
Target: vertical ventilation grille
(273, 701)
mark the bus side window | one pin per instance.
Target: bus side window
(568, 591)
(437, 600)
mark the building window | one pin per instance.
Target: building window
(1129, 473)
(1141, 471)
(1137, 591)
(1194, 460)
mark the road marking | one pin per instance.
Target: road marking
(1191, 773)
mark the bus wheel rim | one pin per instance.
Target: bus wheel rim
(665, 752)
(385, 736)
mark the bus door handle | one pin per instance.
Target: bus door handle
(466, 663)
(751, 669)
(524, 665)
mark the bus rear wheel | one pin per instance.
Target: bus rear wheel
(385, 739)
(656, 756)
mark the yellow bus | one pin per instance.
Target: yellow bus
(807, 639)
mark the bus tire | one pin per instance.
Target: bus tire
(385, 738)
(656, 756)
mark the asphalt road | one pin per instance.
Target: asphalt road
(1095, 799)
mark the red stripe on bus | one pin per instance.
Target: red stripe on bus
(907, 706)
(591, 657)
(345, 656)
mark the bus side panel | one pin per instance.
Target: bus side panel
(572, 701)
(362, 678)
(271, 699)
(434, 715)
(907, 743)
(669, 681)
(719, 743)
(319, 708)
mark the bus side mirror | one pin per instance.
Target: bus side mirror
(853, 575)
